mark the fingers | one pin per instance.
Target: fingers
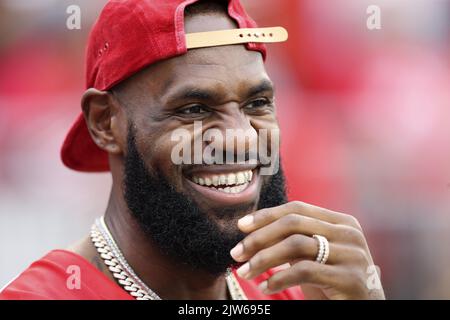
(298, 247)
(345, 284)
(284, 234)
(304, 272)
(294, 247)
(266, 216)
(278, 230)
(292, 224)
(261, 218)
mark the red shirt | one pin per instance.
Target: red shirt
(46, 279)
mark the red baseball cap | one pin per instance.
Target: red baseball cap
(130, 35)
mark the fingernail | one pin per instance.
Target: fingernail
(263, 287)
(243, 270)
(237, 251)
(246, 221)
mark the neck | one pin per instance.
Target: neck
(169, 279)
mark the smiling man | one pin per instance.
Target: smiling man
(191, 230)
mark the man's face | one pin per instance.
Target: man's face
(223, 87)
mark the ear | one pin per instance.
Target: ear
(105, 120)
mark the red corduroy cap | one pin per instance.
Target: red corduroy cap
(130, 35)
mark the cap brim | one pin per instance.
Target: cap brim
(79, 152)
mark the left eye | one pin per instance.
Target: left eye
(258, 103)
(193, 110)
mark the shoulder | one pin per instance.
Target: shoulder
(61, 274)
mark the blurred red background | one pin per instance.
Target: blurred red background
(365, 118)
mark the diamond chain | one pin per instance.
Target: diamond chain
(125, 275)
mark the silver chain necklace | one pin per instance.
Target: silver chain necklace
(115, 261)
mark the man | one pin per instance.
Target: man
(190, 230)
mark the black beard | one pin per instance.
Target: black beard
(172, 221)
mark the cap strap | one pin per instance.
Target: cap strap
(235, 36)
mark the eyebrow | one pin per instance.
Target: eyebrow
(264, 86)
(195, 93)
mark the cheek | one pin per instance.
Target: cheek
(159, 150)
(268, 130)
(266, 122)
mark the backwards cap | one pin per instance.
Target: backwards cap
(130, 35)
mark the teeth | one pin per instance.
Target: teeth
(233, 181)
(215, 180)
(231, 178)
(240, 178)
(236, 189)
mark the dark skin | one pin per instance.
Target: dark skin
(234, 91)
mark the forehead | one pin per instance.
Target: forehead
(230, 68)
(228, 71)
(227, 66)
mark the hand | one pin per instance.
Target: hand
(283, 234)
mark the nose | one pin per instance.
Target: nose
(239, 137)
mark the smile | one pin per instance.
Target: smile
(226, 184)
